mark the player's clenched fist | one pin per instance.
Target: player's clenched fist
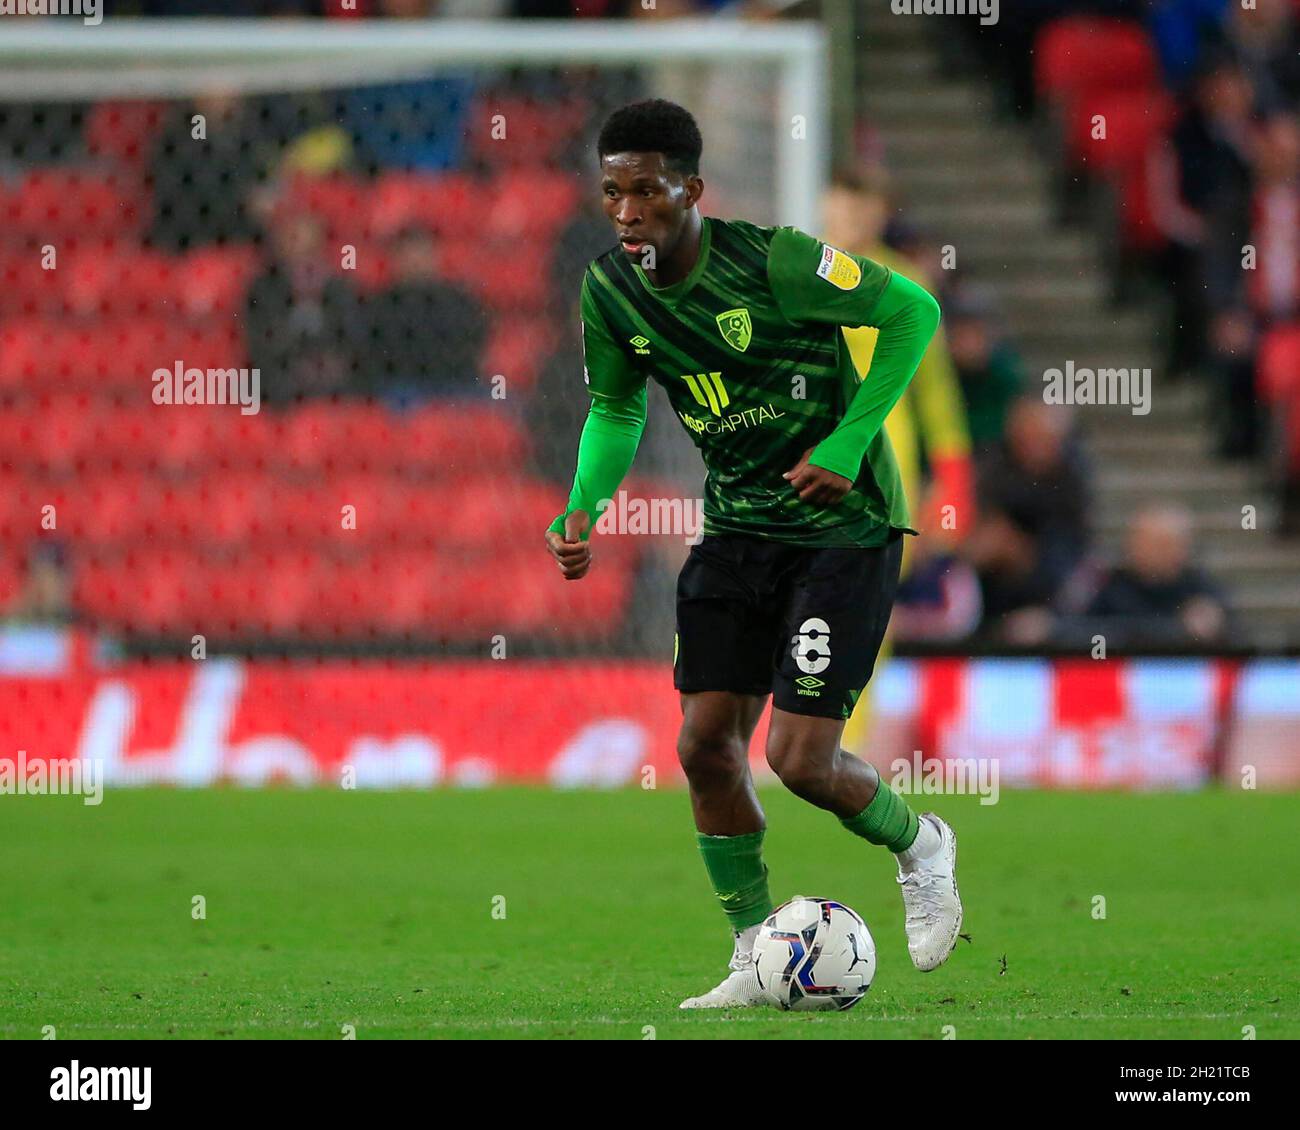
(816, 484)
(571, 553)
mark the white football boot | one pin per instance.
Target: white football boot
(740, 987)
(931, 901)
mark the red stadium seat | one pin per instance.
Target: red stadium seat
(121, 355)
(251, 507)
(283, 593)
(12, 575)
(341, 202)
(109, 511)
(53, 433)
(1075, 55)
(535, 133)
(517, 348)
(541, 601)
(497, 511)
(247, 442)
(511, 276)
(536, 202)
(1133, 123)
(20, 509)
(1278, 364)
(183, 443)
(207, 282)
(123, 131)
(462, 440)
(326, 437)
(312, 514)
(448, 204)
(140, 594)
(143, 436)
(213, 281)
(122, 284)
(64, 432)
(70, 207)
(27, 289)
(404, 591)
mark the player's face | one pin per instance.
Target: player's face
(647, 202)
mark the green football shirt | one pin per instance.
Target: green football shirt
(748, 349)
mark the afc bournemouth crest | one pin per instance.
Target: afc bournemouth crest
(736, 328)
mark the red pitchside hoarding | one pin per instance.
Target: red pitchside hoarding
(1050, 723)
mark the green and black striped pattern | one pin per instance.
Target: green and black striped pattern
(750, 373)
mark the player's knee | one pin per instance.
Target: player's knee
(803, 767)
(708, 754)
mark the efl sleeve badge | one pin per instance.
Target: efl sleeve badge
(838, 269)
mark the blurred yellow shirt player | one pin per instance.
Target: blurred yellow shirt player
(930, 417)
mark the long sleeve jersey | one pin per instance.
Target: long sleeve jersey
(749, 351)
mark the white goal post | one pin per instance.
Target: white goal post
(57, 59)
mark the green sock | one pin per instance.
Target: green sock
(886, 820)
(739, 877)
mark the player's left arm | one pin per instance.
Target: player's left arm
(941, 412)
(813, 282)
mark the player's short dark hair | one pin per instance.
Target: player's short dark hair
(654, 126)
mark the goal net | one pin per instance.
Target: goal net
(288, 321)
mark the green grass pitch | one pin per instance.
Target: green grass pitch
(384, 911)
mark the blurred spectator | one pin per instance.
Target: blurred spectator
(46, 593)
(202, 184)
(938, 598)
(423, 335)
(1214, 141)
(40, 633)
(988, 367)
(1274, 285)
(301, 315)
(1156, 595)
(418, 125)
(1266, 38)
(1252, 301)
(1033, 529)
(1211, 144)
(1181, 29)
(1237, 418)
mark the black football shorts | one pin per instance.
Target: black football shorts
(802, 624)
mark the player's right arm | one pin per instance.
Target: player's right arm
(608, 444)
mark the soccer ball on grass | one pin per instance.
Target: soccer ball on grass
(814, 954)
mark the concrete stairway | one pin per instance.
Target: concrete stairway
(979, 185)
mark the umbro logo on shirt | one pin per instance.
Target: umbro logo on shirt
(639, 343)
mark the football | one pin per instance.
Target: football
(814, 954)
